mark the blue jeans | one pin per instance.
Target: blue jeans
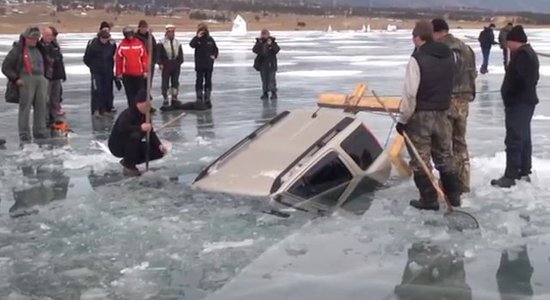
(486, 51)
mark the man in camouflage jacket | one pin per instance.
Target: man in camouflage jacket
(464, 91)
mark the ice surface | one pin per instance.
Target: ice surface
(80, 223)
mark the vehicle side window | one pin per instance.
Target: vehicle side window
(327, 174)
(362, 147)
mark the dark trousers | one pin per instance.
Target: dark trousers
(518, 140)
(486, 51)
(269, 80)
(170, 77)
(133, 151)
(204, 80)
(132, 84)
(102, 92)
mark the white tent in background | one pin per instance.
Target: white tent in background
(329, 28)
(368, 28)
(364, 29)
(392, 27)
(239, 26)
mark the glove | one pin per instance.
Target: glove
(118, 84)
(400, 127)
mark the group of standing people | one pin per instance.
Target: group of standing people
(487, 41)
(435, 105)
(35, 71)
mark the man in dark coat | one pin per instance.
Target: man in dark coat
(53, 52)
(267, 49)
(99, 57)
(143, 35)
(206, 52)
(424, 116)
(519, 94)
(170, 60)
(26, 67)
(127, 139)
(486, 41)
(105, 27)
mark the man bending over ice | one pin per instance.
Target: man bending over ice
(127, 138)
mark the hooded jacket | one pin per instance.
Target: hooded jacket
(127, 129)
(99, 57)
(205, 47)
(266, 54)
(55, 58)
(428, 82)
(131, 58)
(521, 79)
(17, 62)
(502, 36)
(465, 72)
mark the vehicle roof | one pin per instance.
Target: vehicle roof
(270, 153)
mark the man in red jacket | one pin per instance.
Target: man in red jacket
(131, 62)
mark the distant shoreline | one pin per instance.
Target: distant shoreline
(75, 22)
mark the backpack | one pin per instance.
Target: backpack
(461, 70)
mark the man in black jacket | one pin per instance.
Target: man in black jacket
(266, 63)
(127, 139)
(519, 94)
(206, 52)
(486, 41)
(143, 35)
(424, 117)
(170, 60)
(99, 57)
(53, 52)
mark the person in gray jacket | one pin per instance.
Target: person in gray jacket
(26, 65)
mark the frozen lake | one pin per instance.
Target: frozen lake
(92, 234)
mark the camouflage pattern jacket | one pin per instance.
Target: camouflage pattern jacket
(465, 72)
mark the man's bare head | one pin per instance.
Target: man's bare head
(48, 35)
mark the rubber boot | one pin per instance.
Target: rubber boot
(264, 96)
(452, 188)
(428, 195)
(274, 96)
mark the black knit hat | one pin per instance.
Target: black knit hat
(517, 34)
(440, 25)
(141, 96)
(104, 24)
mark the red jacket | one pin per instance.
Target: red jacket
(131, 58)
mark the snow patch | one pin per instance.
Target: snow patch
(211, 247)
(143, 266)
(322, 73)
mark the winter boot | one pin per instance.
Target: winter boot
(175, 101)
(274, 96)
(452, 188)
(129, 169)
(165, 102)
(503, 182)
(428, 195)
(207, 95)
(264, 96)
(2, 142)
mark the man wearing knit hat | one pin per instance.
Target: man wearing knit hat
(26, 66)
(519, 94)
(423, 115)
(464, 91)
(127, 135)
(170, 60)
